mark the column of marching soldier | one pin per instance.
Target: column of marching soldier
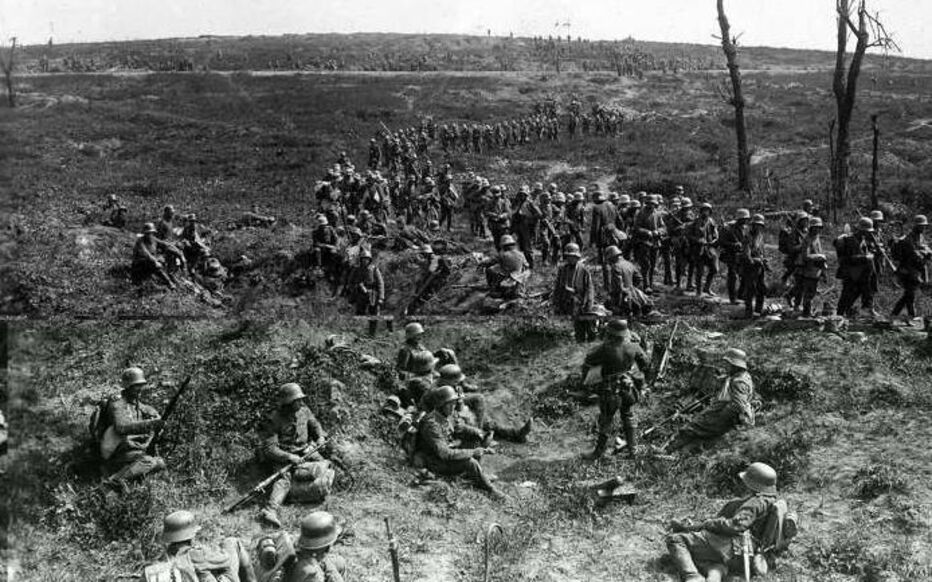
(445, 430)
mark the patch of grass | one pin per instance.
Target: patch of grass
(782, 385)
(881, 477)
(788, 453)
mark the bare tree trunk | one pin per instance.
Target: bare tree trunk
(730, 48)
(875, 163)
(8, 74)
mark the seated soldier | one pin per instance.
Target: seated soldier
(470, 423)
(148, 258)
(213, 277)
(716, 542)
(413, 333)
(624, 282)
(434, 445)
(732, 407)
(191, 562)
(290, 437)
(420, 379)
(307, 559)
(130, 424)
(507, 272)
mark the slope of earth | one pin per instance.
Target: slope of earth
(215, 144)
(844, 422)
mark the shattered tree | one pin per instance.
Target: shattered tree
(7, 65)
(869, 33)
(736, 99)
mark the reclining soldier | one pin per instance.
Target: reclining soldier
(188, 561)
(290, 433)
(307, 559)
(434, 448)
(716, 542)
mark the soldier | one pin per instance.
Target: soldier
(624, 280)
(189, 561)
(573, 294)
(791, 244)
(811, 265)
(117, 217)
(497, 215)
(604, 214)
(420, 380)
(324, 247)
(879, 263)
(213, 278)
(648, 230)
(732, 407)
(194, 242)
(703, 239)
(434, 272)
(675, 226)
(375, 155)
(367, 289)
(575, 217)
(166, 227)
(619, 391)
(130, 425)
(912, 253)
(753, 263)
(150, 255)
(733, 240)
(856, 268)
(716, 541)
(414, 332)
(524, 221)
(313, 563)
(287, 437)
(433, 449)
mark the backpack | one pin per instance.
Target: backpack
(780, 527)
(99, 421)
(784, 241)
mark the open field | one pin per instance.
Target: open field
(214, 143)
(844, 421)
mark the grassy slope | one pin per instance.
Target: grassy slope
(867, 407)
(213, 144)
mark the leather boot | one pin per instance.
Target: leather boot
(599, 449)
(684, 563)
(631, 435)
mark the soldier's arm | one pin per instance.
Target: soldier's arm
(314, 429)
(438, 445)
(269, 444)
(749, 512)
(401, 362)
(125, 425)
(741, 394)
(593, 359)
(379, 285)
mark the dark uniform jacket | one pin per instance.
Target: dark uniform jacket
(855, 257)
(434, 436)
(725, 532)
(287, 433)
(366, 284)
(133, 422)
(572, 292)
(616, 356)
(403, 359)
(604, 214)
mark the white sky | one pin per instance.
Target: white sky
(783, 23)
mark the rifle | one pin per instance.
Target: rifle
(393, 552)
(688, 409)
(153, 443)
(265, 483)
(746, 555)
(665, 358)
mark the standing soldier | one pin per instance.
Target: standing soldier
(733, 240)
(192, 562)
(856, 268)
(624, 280)
(732, 407)
(509, 265)
(648, 230)
(573, 294)
(547, 234)
(290, 433)
(324, 246)
(375, 155)
(524, 222)
(433, 449)
(790, 244)
(575, 217)
(753, 263)
(604, 215)
(367, 289)
(912, 254)
(619, 391)
(714, 542)
(497, 215)
(130, 425)
(810, 268)
(879, 239)
(703, 238)
(671, 221)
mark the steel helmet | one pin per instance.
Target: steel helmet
(876, 215)
(705, 206)
(865, 224)
(612, 252)
(815, 222)
(679, 189)
(179, 526)
(920, 220)
(133, 377)
(736, 357)
(507, 240)
(618, 328)
(148, 228)
(365, 254)
(451, 374)
(685, 202)
(433, 225)
(758, 220)
(288, 393)
(422, 362)
(624, 199)
(635, 204)
(413, 329)
(571, 250)
(538, 186)
(444, 395)
(427, 250)
(579, 196)
(760, 477)
(559, 197)
(318, 531)
(552, 187)
(613, 196)
(743, 214)
(322, 221)
(651, 199)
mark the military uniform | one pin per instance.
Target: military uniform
(648, 229)
(625, 297)
(367, 289)
(573, 295)
(810, 268)
(733, 240)
(433, 449)
(146, 261)
(524, 222)
(753, 262)
(733, 406)
(912, 254)
(134, 423)
(856, 271)
(703, 238)
(287, 434)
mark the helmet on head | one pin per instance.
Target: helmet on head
(743, 214)
(365, 254)
(413, 330)
(815, 222)
(451, 374)
(444, 395)
(758, 220)
(685, 202)
(179, 526)
(736, 357)
(132, 377)
(612, 253)
(705, 206)
(920, 220)
(624, 199)
(422, 362)
(571, 250)
(148, 228)
(876, 215)
(318, 531)
(427, 250)
(613, 196)
(635, 204)
(865, 224)
(559, 197)
(760, 477)
(618, 328)
(507, 240)
(579, 197)
(288, 393)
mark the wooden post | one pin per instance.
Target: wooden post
(874, 162)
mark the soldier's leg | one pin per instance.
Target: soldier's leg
(809, 287)
(277, 497)
(759, 288)
(630, 427)
(846, 300)
(690, 271)
(685, 549)
(608, 406)
(700, 272)
(712, 264)
(731, 282)
(867, 294)
(138, 468)
(667, 265)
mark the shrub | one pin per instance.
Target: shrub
(787, 453)
(784, 385)
(882, 477)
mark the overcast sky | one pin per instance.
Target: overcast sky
(789, 23)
